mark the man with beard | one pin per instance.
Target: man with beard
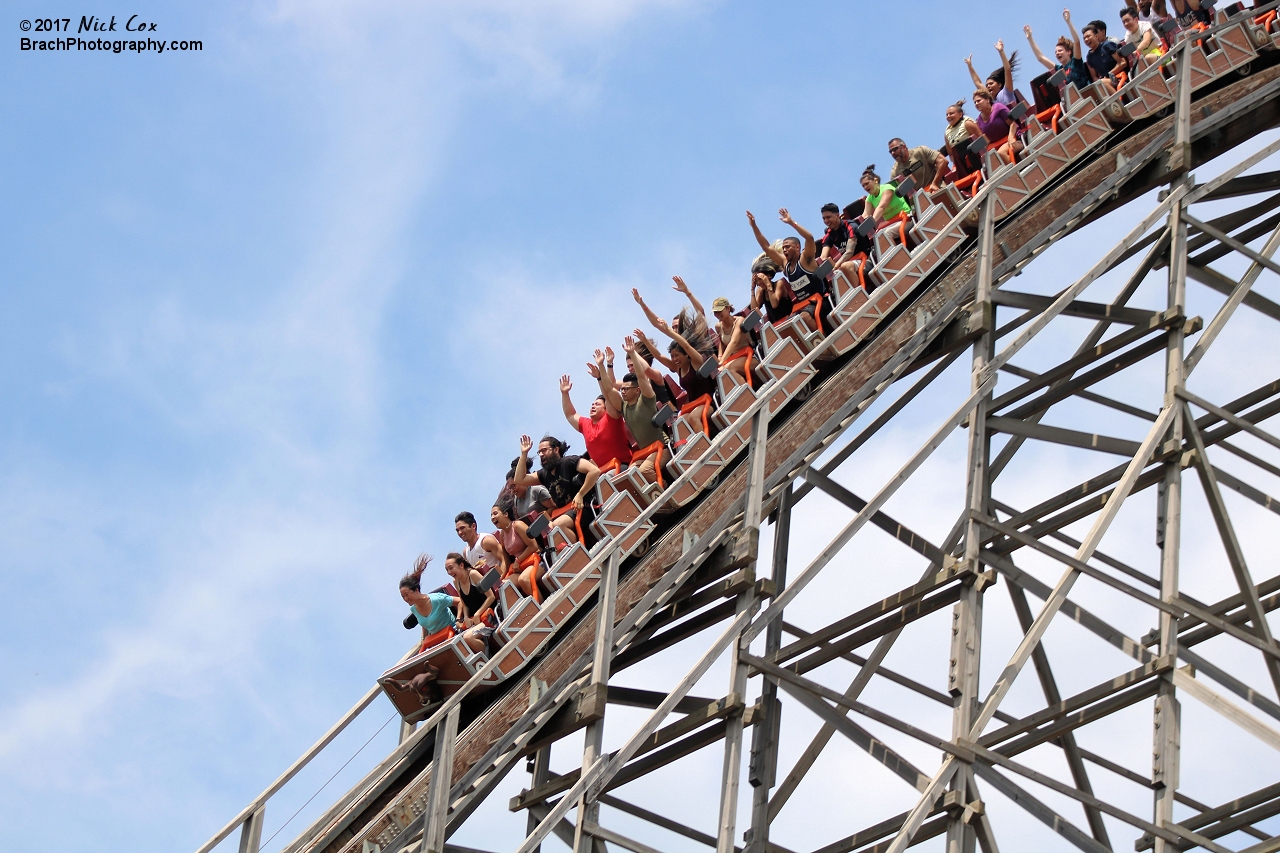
(569, 479)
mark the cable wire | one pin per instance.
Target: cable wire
(330, 779)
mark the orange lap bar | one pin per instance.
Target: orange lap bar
(744, 352)
(650, 450)
(577, 520)
(969, 182)
(1050, 115)
(441, 636)
(816, 302)
(692, 405)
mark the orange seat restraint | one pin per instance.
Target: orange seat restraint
(1050, 115)
(816, 302)
(577, 520)
(969, 182)
(745, 351)
(704, 400)
(651, 449)
(441, 636)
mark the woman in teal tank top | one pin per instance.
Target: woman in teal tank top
(434, 611)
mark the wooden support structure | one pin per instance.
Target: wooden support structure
(699, 585)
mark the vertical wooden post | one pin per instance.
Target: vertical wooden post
(966, 619)
(738, 669)
(251, 831)
(593, 701)
(763, 768)
(1167, 723)
(437, 815)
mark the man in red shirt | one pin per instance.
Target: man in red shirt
(604, 430)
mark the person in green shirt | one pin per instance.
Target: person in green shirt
(883, 202)
(639, 404)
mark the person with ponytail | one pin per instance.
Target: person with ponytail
(999, 82)
(883, 202)
(569, 479)
(433, 610)
(472, 602)
(513, 533)
(996, 125)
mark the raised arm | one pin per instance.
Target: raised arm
(522, 476)
(608, 363)
(653, 348)
(612, 399)
(653, 318)
(1035, 51)
(695, 358)
(973, 75)
(640, 366)
(810, 248)
(566, 404)
(774, 254)
(693, 300)
(1004, 63)
(1075, 36)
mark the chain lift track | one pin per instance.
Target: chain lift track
(703, 572)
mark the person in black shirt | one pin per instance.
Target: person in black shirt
(1103, 59)
(569, 479)
(832, 243)
(856, 251)
(771, 294)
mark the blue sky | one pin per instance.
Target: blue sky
(274, 311)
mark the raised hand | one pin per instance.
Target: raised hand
(635, 294)
(999, 45)
(680, 285)
(663, 326)
(751, 217)
(968, 60)
(599, 357)
(566, 384)
(784, 216)
(1066, 15)
(628, 345)
(608, 354)
(526, 444)
(592, 368)
(1026, 30)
